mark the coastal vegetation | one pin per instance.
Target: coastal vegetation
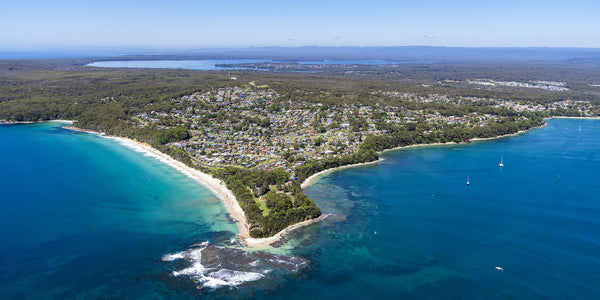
(283, 201)
(265, 132)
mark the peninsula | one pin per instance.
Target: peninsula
(255, 138)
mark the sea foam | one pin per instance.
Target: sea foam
(210, 277)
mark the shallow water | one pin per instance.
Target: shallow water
(410, 227)
(84, 217)
(211, 64)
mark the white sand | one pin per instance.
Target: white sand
(223, 193)
(212, 183)
(311, 179)
(63, 121)
(266, 242)
(215, 186)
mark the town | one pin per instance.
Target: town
(258, 128)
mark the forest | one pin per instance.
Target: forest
(106, 99)
(284, 209)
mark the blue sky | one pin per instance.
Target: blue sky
(179, 24)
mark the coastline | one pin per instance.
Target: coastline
(229, 200)
(263, 243)
(212, 184)
(507, 135)
(4, 122)
(313, 178)
(582, 118)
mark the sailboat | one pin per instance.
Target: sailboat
(468, 180)
(501, 164)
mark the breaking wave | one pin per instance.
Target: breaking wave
(209, 276)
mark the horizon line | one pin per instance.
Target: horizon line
(153, 48)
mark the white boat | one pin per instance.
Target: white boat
(501, 164)
(468, 180)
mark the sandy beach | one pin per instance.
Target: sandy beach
(63, 121)
(214, 185)
(4, 122)
(225, 195)
(220, 190)
(266, 242)
(311, 179)
(583, 118)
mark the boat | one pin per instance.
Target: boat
(500, 269)
(468, 180)
(501, 164)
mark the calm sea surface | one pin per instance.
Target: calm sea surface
(84, 217)
(210, 64)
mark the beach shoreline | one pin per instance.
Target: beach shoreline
(211, 183)
(310, 180)
(215, 185)
(4, 122)
(313, 178)
(231, 204)
(582, 118)
(263, 243)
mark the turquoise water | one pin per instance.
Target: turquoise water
(84, 217)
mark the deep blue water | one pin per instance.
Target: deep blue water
(210, 64)
(84, 217)
(538, 218)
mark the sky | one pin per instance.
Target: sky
(187, 24)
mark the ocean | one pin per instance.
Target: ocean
(84, 217)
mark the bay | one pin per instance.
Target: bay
(84, 217)
(211, 64)
(410, 227)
